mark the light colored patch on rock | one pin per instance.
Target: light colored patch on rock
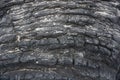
(80, 54)
(102, 13)
(40, 29)
(67, 26)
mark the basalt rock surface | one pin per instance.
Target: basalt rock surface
(59, 39)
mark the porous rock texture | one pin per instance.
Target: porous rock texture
(59, 39)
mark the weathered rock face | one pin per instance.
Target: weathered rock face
(59, 39)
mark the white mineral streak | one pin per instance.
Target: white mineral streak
(46, 20)
(91, 27)
(18, 38)
(46, 56)
(67, 26)
(81, 54)
(102, 13)
(10, 51)
(58, 31)
(40, 29)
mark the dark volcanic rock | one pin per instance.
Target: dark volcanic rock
(7, 38)
(59, 40)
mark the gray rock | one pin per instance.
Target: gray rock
(8, 38)
(59, 40)
(65, 61)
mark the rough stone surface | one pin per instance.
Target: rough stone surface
(59, 39)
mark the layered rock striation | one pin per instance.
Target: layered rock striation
(59, 39)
